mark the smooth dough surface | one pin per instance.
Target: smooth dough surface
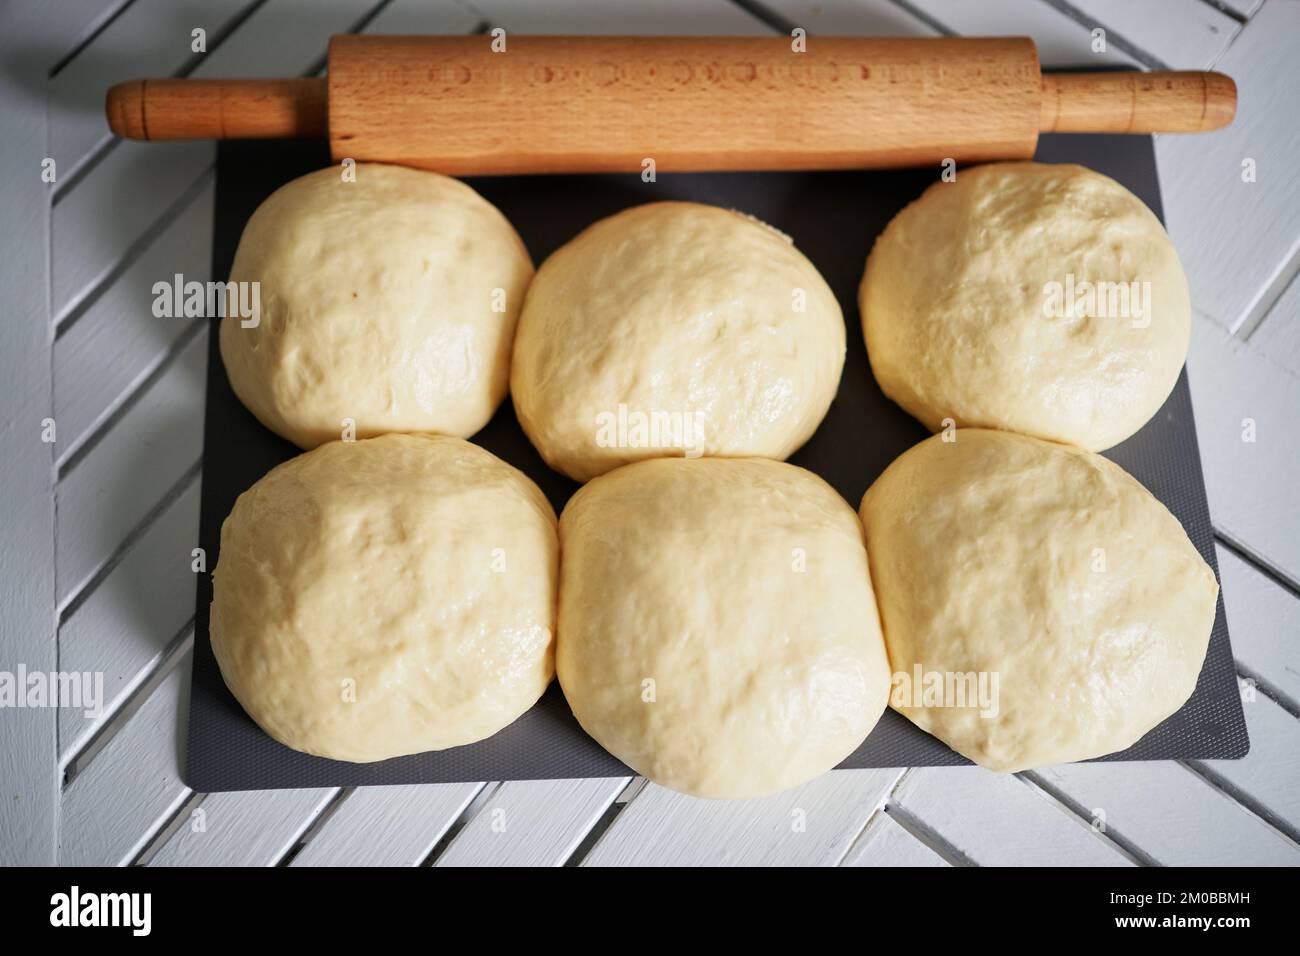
(735, 594)
(377, 306)
(1050, 567)
(675, 309)
(420, 568)
(955, 291)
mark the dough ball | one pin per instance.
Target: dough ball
(975, 305)
(675, 328)
(1051, 572)
(377, 305)
(718, 632)
(387, 597)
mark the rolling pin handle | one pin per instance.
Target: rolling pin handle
(218, 109)
(1162, 101)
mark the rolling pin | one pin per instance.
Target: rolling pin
(552, 104)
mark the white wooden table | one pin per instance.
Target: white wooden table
(97, 526)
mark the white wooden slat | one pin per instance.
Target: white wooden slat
(416, 16)
(110, 349)
(885, 843)
(621, 17)
(108, 213)
(387, 826)
(136, 183)
(1277, 334)
(1243, 8)
(151, 38)
(122, 478)
(532, 823)
(812, 825)
(1270, 774)
(876, 18)
(997, 819)
(111, 809)
(1264, 621)
(1182, 34)
(28, 756)
(254, 828)
(77, 22)
(1061, 41)
(1172, 815)
(126, 626)
(1240, 241)
(1251, 484)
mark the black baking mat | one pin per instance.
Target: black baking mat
(833, 218)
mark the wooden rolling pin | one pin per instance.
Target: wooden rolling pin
(606, 104)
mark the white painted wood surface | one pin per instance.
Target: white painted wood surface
(126, 390)
(387, 826)
(254, 828)
(533, 823)
(885, 843)
(28, 783)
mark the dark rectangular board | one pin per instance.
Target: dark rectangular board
(833, 218)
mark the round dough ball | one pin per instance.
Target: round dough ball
(377, 305)
(718, 633)
(1050, 571)
(387, 597)
(964, 305)
(675, 328)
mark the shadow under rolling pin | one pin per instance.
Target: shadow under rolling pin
(692, 104)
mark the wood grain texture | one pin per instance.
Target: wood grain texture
(1235, 282)
(387, 826)
(254, 828)
(998, 819)
(885, 843)
(28, 767)
(112, 808)
(1160, 101)
(812, 825)
(689, 103)
(160, 109)
(1172, 815)
(532, 823)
